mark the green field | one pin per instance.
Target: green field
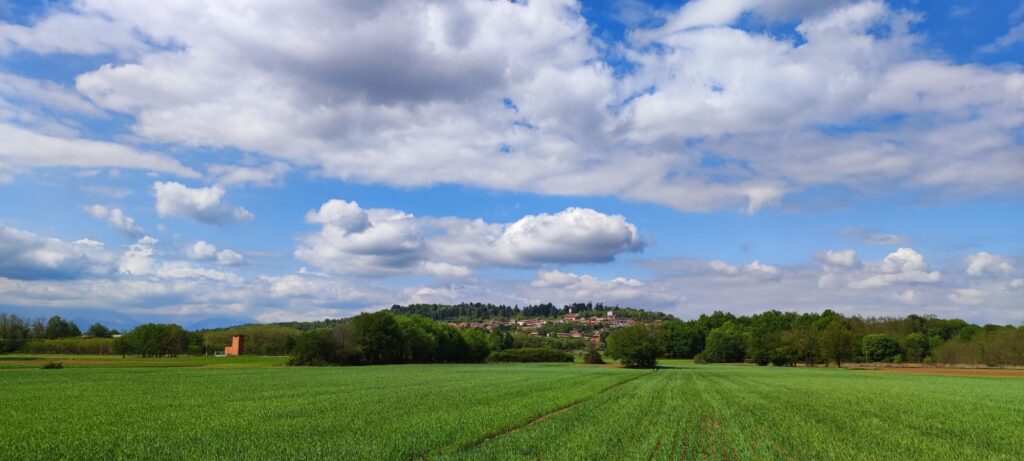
(539, 411)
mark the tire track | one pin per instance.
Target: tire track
(454, 449)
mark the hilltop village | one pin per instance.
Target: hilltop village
(570, 325)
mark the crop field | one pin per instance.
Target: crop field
(506, 411)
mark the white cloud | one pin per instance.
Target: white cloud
(967, 296)
(201, 250)
(230, 258)
(182, 270)
(723, 267)
(204, 251)
(69, 33)
(378, 241)
(320, 93)
(907, 296)
(271, 174)
(842, 258)
(138, 258)
(203, 204)
(755, 268)
(24, 148)
(982, 263)
(901, 266)
(27, 256)
(762, 270)
(116, 218)
(566, 287)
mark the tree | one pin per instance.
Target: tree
(154, 340)
(477, 349)
(14, 332)
(97, 330)
(315, 348)
(879, 347)
(916, 347)
(635, 346)
(378, 337)
(678, 340)
(57, 327)
(765, 343)
(836, 342)
(725, 344)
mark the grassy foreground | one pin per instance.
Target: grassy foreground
(489, 412)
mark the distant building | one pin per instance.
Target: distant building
(237, 346)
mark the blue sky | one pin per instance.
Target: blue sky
(214, 162)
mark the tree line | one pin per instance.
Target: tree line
(788, 338)
(16, 331)
(380, 338)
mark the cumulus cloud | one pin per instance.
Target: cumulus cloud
(116, 218)
(619, 290)
(384, 241)
(202, 204)
(201, 250)
(515, 96)
(204, 251)
(982, 263)
(27, 256)
(899, 267)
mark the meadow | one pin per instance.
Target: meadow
(217, 409)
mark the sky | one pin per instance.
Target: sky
(219, 162)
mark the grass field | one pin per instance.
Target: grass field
(535, 411)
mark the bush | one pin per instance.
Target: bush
(532, 354)
(592, 356)
(53, 366)
(635, 346)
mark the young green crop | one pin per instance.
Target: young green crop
(387, 412)
(521, 411)
(744, 412)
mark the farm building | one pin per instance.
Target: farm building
(237, 346)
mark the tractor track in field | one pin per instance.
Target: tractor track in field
(452, 449)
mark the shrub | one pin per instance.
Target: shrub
(531, 354)
(592, 356)
(635, 346)
(53, 366)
